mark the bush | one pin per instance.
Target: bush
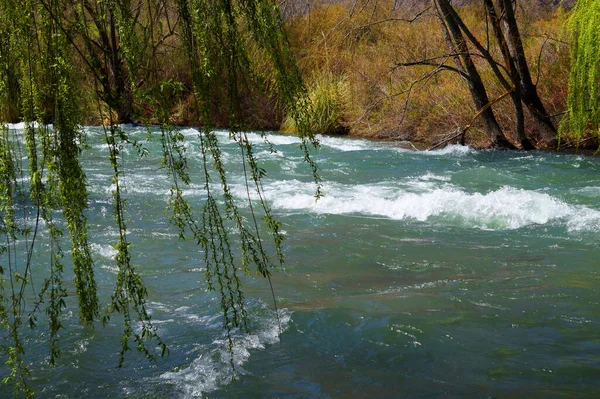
(326, 108)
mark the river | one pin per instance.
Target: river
(449, 273)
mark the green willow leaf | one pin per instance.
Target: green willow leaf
(583, 101)
(49, 50)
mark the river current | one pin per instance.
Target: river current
(448, 273)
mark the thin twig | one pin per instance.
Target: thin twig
(462, 131)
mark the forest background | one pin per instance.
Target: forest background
(379, 69)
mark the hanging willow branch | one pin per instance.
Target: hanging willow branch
(117, 41)
(583, 101)
(130, 293)
(216, 50)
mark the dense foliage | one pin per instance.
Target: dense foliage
(584, 81)
(47, 49)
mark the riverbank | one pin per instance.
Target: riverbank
(366, 76)
(395, 69)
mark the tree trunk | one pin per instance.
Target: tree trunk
(121, 102)
(11, 80)
(122, 97)
(14, 98)
(515, 95)
(529, 94)
(465, 63)
(105, 58)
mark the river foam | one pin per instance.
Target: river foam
(503, 209)
(212, 368)
(453, 149)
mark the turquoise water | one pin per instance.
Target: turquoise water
(450, 273)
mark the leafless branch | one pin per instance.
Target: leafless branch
(539, 58)
(460, 132)
(408, 91)
(428, 61)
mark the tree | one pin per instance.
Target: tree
(512, 72)
(109, 37)
(465, 66)
(583, 101)
(96, 30)
(529, 94)
(514, 88)
(521, 85)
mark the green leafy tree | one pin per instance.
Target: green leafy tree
(583, 101)
(113, 38)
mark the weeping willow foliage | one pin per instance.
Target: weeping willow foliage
(44, 186)
(583, 100)
(216, 50)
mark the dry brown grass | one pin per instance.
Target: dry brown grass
(364, 44)
(361, 45)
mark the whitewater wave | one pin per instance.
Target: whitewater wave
(106, 251)
(212, 369)
(224, 136)
(21, 125)
(453, 149)
(275, 139)
(503, 209)
(344, 144)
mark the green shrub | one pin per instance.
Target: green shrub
(328, 95)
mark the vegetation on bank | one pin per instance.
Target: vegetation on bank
(398, 67)
(382, 69)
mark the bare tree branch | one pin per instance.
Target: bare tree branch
(460, 132)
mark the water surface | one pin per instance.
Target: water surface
(450, 273)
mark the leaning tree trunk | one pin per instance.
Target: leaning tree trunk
(465, 63)
(106, 61)
(119, 95)
(515, 95)
(529, 94)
